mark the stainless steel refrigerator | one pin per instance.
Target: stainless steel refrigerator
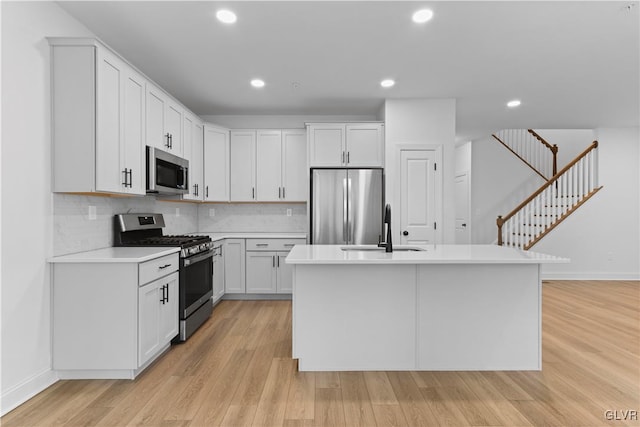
(346, 206)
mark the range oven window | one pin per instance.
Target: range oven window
(197, 278)
(170, 175)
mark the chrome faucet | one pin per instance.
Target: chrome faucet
(387, 221)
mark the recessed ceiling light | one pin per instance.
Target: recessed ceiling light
(514, 103)
(387, 83)
(422, 16)
(226, 16)
(257, 83)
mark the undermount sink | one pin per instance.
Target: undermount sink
(374, 248)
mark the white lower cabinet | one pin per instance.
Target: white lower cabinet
(111, 319)
(261, 272)
(267, 270)
(157, 315)
(218, 272)
(234, 273)
(268, 273)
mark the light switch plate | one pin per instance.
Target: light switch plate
(288, 212)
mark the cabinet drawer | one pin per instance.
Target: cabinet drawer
(156, 268)
(273, 244)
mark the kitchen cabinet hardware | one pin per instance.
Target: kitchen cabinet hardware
(405, 233)
(273, 260)
(348, 157)
(253, 192)
(262, 245)
(277, 261)
(283, 196)
(343, 157)
(162, 267)
(167, 144)
(130, 178)
(279, 192)
(206, 191)
(289, 245)
(125, 183)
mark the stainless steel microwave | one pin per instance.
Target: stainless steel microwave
(166, 173)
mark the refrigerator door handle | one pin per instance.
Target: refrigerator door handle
(345, 220)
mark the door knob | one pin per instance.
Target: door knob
(405, 233)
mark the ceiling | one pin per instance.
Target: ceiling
(572, 64)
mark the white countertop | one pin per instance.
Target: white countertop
(115, 255)
(433, 254)
(255, 235)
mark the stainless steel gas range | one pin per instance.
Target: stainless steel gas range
(196, 264)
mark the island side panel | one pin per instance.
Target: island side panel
(479, 317)
(354, 317)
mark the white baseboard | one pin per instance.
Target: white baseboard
(24, 391)
(590, 276)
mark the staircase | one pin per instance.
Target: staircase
(562, 193)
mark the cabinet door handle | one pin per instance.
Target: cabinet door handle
(279, 192)
(348, 155)
(170, 141)
(162, 300)
(206, 191)
(289, 245)
(162, 267)
(262, 245)
(195, 189)
(273, 260)
(283, 193)
(343, 157)
(167, 144)
(278, 259)
(253, 192)
(167, 288)
(130, 178)
(125, 177)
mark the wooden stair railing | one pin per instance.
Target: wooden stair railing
(532, 149)
(552, 203)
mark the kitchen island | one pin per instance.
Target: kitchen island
(442, 307)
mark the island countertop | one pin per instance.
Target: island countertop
(431, 254)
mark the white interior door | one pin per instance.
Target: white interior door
(463, 231)
(418, 196)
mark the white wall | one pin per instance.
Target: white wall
(421, 121)
(500, 182)
(27, 225)
(602, 237)
(252, 217)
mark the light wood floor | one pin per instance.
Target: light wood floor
(237, 371)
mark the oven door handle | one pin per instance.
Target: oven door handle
(198, 258)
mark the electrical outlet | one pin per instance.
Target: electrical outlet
(288, 212)
(212, 212)
(177, 211)
(92, 213)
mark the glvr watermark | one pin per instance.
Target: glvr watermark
(621, 415)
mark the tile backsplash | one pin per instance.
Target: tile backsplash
(252, 217)
(75, 232)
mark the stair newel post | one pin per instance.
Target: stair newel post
(499, 222)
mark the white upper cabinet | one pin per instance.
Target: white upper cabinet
(164, 121)
(193, 141)
(98, 119)
(326, 145)
(281, 165)
(243, 165)
(295, 183)
(269, 165)
(364, 144)
(346, 145)
(216, 164)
